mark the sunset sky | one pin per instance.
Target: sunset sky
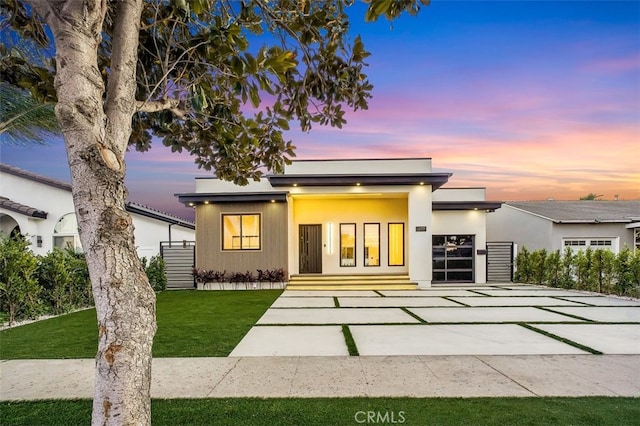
(531, 100)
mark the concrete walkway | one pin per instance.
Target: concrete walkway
(447, 341)
(404, 376)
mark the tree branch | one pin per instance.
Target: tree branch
(121, 85)
(162, 105)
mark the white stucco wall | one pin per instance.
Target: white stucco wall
(150, 232)
(420, 245)
(459, 194)
(59, 202)
(364, 167)
(535, 233)
(510, 224)
(55, 201)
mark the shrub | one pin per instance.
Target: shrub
(19, 288)
(596, 270)
(582, 262)
(537, 260)
(208, 276)
(623, 267)
(567, 274)
(156, 272)
(55, 278)
(523, 266)
(601, 272)
(553, 269)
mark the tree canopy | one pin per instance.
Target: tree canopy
(222, 79)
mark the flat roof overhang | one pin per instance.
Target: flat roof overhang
(436, 180)
(488, 206)
(232, 197)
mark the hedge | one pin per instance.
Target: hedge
(31, 285)
(593, 270)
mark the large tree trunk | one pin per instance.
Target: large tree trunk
(96, 129)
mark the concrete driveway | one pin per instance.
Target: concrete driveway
(507, 319)
(506, 340)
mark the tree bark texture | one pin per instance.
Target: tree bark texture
(96, 124)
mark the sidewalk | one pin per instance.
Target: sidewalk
(364, 376)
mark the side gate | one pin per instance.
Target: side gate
(179, 258)
(500, 262)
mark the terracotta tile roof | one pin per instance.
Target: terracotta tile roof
(131, 207)
(6, 203)
(16, 171)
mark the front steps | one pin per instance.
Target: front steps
(351, 282)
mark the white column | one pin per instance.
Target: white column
(293, 238)
(419, 234)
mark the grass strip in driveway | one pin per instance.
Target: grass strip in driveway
(561, 339)
(349, 341)
(190, 324)
(347, 411)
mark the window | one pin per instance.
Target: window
(396, 244)
(240, 232)
(371, 244)
(453, 257)
(347, 244)
(594, 244)
(65, 233)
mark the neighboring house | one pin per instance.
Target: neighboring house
(42, 209)
(344, 218)
(554, 225)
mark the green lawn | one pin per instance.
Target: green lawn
(190, 324)
(348, 411)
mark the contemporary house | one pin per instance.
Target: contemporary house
(341, 220)
(41, 209)
(554, 225)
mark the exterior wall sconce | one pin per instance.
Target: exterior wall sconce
(39, 240)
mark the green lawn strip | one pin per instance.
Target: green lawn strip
(479, 292)
(336, 302)
(408, 312)
(550, 309)
(561, 339)
(616, 411)
(190, 324)
(378, 293)
(350, 342)
(449, 298)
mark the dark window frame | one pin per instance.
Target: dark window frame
(355, 245)
(240, 215)
(364, 244)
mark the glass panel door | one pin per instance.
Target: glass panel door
(453, 258)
